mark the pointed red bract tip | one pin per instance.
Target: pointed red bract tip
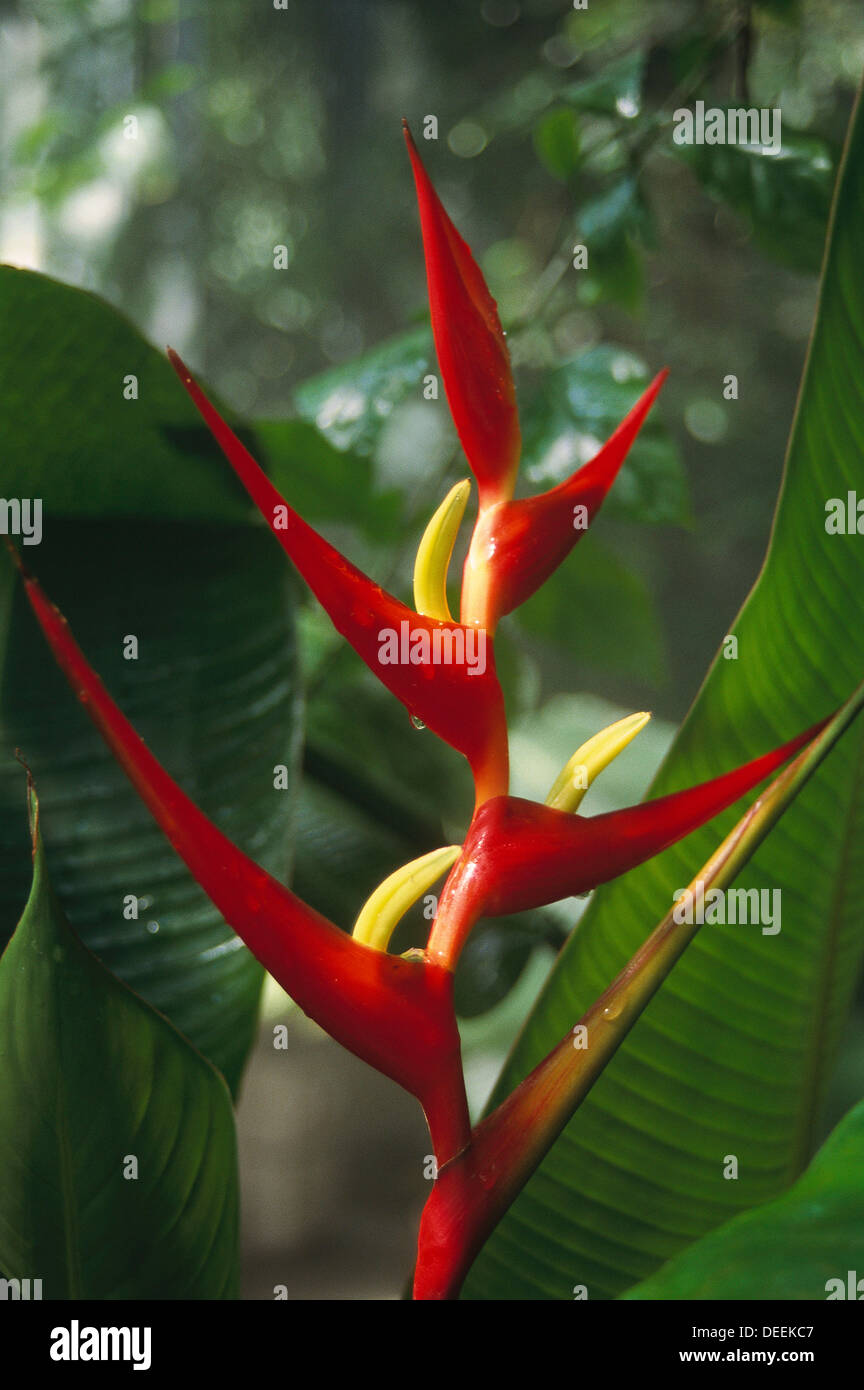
(517, 545)
(471, 347)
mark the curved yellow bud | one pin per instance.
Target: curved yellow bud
(577, 775)
(433, 555)
(392, 898)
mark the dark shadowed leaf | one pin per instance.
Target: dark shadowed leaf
(117, 1142)
(140, 539)
(214, 693)
(69, 435)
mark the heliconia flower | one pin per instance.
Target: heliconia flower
(395, 1012)
(472, 351)
(517, 544)
(520, 855)
(442, 671)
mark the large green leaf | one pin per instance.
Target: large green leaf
(792, 1248)
(117, 1143)
(214, 694)
(72, 437)
(138, 539)
(733, 1055)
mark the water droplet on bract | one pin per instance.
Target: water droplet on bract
(487, 1180)
(152, 927)
(613, 1010)
(418, 723)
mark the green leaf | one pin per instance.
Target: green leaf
(792, 1248)
(90, 1078)
(573, 411)
(556, 140)
(350, 404)
(784, 196)
(733, 1055)
(70, 437)
(617, 211)
(614, 226)
(616, 91)
(138, 540)
(213, 693)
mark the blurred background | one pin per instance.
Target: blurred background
(232, 178)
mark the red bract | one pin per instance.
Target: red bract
(395, 1013)
(517, 545)
(520, 855)
(469, 341)
(444, 673)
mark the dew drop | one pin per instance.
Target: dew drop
(152, 927)
(613, 1010)
(418, 723)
